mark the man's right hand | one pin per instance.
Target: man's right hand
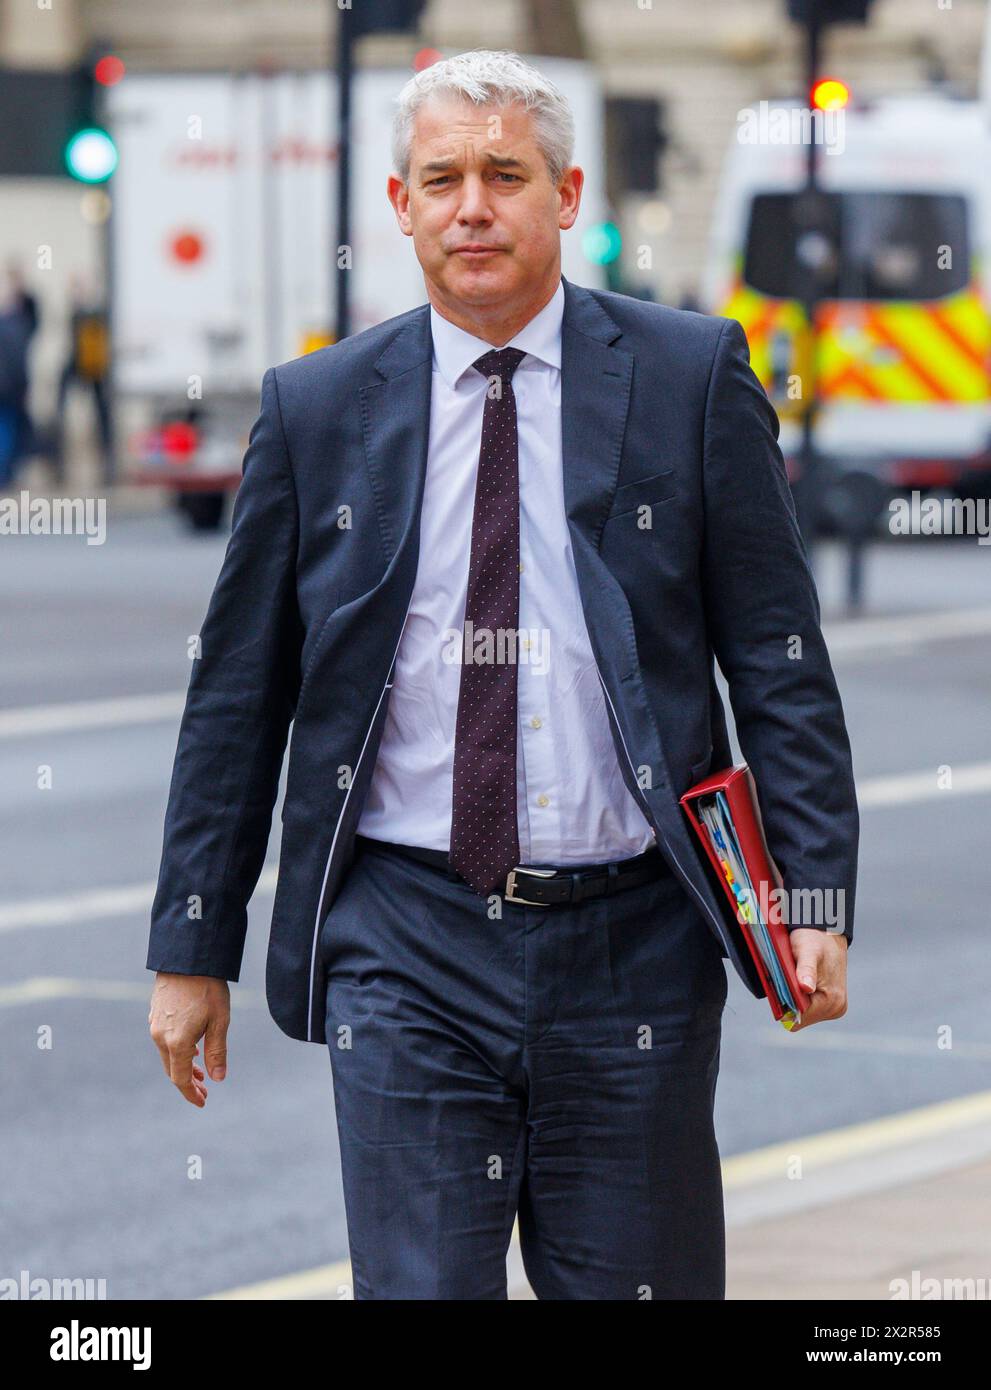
(183, 1009)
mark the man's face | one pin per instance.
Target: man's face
(479, 179)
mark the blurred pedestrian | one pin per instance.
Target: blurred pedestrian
(87, 365)
(689, 299)
(23, 297)
(18, 321)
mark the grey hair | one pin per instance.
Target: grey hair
(488, 77)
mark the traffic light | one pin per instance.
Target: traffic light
(602, 244)
(379, 16)
(90, 154)
(50, 121)
(108, 70)
(829, 94)
(635, 140)
(829, 11)
(44, 115)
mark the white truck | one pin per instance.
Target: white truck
(223, 237)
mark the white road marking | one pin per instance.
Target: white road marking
(891, 1043)
(91, 714)
(968, 779)
(45, 987)
(87, 906)
(868, 635)
(94, 905)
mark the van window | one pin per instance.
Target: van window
(866, 245)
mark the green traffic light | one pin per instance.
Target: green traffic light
(91, 155)
(602, 243)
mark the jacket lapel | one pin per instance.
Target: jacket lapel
(395, 418)
(596, 379)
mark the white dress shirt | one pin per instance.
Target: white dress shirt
(573, 806)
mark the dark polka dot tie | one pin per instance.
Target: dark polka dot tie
(484, 834)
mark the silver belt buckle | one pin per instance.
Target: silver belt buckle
(510, 893)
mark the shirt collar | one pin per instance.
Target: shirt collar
(455, 350)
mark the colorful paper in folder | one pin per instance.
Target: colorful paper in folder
(724, 812)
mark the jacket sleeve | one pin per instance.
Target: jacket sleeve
(239, 704)
(763, 614)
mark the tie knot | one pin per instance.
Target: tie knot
(500, 362)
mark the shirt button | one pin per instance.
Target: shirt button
(521, 567)
(536, 722)
(525, 643)
(542, 800)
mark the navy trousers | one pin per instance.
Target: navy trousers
(558, 1064)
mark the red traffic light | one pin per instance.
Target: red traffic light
(830, 94)
(108, 71)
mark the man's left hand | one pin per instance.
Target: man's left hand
(820, 963)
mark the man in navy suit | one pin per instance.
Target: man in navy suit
(484, 556)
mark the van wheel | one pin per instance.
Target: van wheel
(975, 485)
(203, 510)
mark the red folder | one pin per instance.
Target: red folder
(737, 784)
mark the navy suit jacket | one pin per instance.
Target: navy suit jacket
(658, 406)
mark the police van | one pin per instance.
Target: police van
(898, 246)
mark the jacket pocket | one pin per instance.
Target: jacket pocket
(657, 487)
(700, 769)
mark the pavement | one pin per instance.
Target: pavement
(873, 1246)
(866, 1212)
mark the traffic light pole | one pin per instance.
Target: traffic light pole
(340, 274)
(808, 501)
(108, 275)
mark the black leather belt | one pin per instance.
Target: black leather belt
(546, 887)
